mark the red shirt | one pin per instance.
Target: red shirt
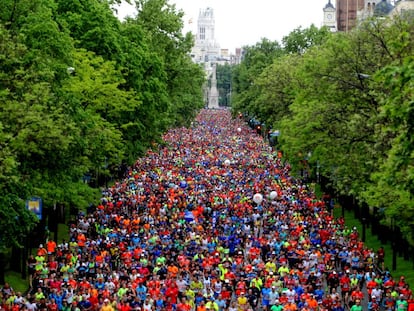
(124, 307)
(52, 307)
(357, 294)
(226, 294)
(55, 284)
(94, 301)
(172, 292)
(345, 283)
(85, 284)
(52, 265)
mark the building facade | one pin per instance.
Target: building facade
(329, 16)
(206, 48)
(404, 7)
(347, 12)
(350, 12)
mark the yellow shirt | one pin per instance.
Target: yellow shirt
(107, 307)
(283, 271)
(212, 305)
(242, 300)
(270, 266)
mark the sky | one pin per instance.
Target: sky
(243, 22)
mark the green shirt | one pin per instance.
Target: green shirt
(121, 292)
(276, 308)
(356, 308)
(401, 305)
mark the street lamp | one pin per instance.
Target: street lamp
(394, 244)
(363, 228)
(70, 70)
(318, 178)
(363, 75)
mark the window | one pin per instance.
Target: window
(202, 33)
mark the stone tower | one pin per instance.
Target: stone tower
(329, 16)
(205, 49)
(213, 95)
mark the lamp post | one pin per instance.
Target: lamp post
(70, 70)
(318, 177)
(394, 245)
(363, 228)
(57, 222)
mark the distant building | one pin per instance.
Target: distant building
(403, 8)
(367, 10)
(346, 12)
(329, 16)
(351, 12)
(205, 49)
(207, 52)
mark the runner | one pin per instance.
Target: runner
(211, 220)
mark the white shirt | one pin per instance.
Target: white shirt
(290, 294)
(273, 296)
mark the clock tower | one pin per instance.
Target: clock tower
(329, 16)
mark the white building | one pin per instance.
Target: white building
(403, 7)
(205, 49)
(329, 16)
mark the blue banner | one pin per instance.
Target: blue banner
(34, 204)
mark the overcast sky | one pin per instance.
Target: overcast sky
(243, 22)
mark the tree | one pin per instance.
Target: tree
(299, 40)
(255, 60)
(392, 184)
(224, 74)
(92, 25)
(278, 83)
(15, 220)
(171, 74)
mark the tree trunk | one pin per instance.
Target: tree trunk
(2, 262)
(15, 264)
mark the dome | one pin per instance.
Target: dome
(383, 8)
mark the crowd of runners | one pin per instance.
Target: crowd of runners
(213, 220)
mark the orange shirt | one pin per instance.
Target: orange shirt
(312, 303)
(73, 283)
(99, 259)
(173, 270)
(291, 307)
(41, 251)
(51, 246)
(81, 239)
(184, 307)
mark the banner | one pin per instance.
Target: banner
(35, 205)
